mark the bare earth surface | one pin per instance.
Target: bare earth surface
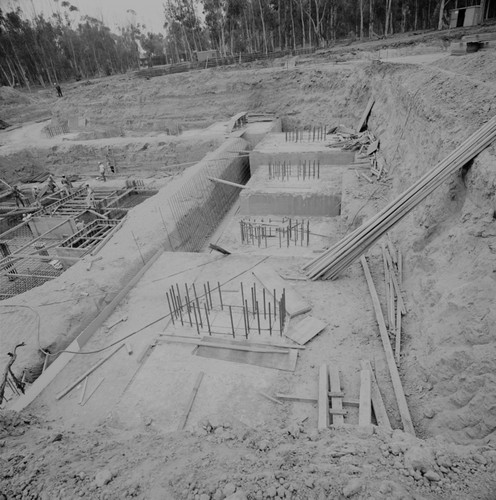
(124, 442)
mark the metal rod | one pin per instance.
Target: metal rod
(188, 305)
(232, 322)
(208, 321)
(275, 302)
(254, 297)
(258, 319)
(170, 308)
(242, 295)
(220, 296)
(270, 322)
(205, 294)
(210, 295)
(263, 293)
(247, 315)
(179, 297)
(196, 319)
(244, 320)
(197, 305)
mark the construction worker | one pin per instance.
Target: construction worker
(58, 89)
(36, 196)
(51, 186)
(101, 168)
(90, 197)
(16, 192)
(66, 185)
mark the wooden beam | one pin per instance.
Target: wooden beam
(219, 345)
(191, 400)
(365, 409)
(323, 416)
(228, 183)
(393, 369)
(366, 113)
(303, 399)
(336, 402)
(69, 388)
(377, 402)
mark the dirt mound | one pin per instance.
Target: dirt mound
(480, 65)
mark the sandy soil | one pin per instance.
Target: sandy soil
(235, 439)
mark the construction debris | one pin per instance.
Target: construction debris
(337, 258)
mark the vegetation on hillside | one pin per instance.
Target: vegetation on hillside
(42, 50)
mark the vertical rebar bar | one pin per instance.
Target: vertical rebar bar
(270, 321)
(263, 293)
(179, 297)
(258, 319)
(244, 320)
(220, 296)
(208, 321)
(210, 295)
(196, 319)
(232, 322)
(247, 315)
(170, 308)
(275, 302)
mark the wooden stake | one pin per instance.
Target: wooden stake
(365, 410)
(393, 369)
(323, 402)
(184, 418)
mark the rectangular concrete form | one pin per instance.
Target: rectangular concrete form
(275, 148)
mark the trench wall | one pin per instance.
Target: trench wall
(449, 353)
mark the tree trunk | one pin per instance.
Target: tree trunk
(415, 20)
(371, 18)
(441, 11)
(303, 39)
(361, 19)
(279, 21)
(293, 24)
(263, 26)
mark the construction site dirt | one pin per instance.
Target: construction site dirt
(156, 366)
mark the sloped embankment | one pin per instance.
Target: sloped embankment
(449, 244)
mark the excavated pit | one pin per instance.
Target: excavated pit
(448, 353)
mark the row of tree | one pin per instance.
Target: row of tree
(44, 50)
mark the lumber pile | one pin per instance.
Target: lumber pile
(336, 259)
(395, 305)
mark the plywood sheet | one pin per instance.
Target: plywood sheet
(295, 304)
(305, 330)
(285, 361)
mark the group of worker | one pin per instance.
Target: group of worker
(65, 185)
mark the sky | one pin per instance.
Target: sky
(112, 12)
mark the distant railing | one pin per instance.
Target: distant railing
(182, 67)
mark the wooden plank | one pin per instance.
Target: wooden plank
(296, 398)
(397, 347)
(271, 281)
(270, 398)
(377, 402)
(303, 399)
(406, 419)
(366, 113)
(219, 345)
(191, 400)
(305, 330)
(339, 413)
(365, 409)
(69, 388)
(323, 401)
(285, 361)
(227, 183)
(336, 403)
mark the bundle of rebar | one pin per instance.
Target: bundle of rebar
(337, 258)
